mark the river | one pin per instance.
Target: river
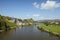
(27, 33)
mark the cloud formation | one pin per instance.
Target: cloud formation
(35, 15)
(50, 5)
(47, 5)
(35, 4)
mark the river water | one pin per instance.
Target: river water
(27, 33)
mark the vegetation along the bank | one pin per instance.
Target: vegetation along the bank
(52, 27)
(7, 22)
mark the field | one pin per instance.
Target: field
(55, 29)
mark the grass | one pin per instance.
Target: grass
(10, 24)
(51, 28)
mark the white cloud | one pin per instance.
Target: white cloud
(48, 5)
(36, 15)
(36, 5)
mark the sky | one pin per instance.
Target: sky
(36, 9)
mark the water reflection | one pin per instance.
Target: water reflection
(27, 33)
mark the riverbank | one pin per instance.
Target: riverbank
(7, 29)
(7, 26)
(52, 29)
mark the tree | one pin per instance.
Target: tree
(20, 20)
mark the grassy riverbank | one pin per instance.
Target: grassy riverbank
(11, 25)
(54, 29)
(6, 24)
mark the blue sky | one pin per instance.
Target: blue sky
(36, 9)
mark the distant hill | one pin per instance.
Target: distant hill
(56, 20)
